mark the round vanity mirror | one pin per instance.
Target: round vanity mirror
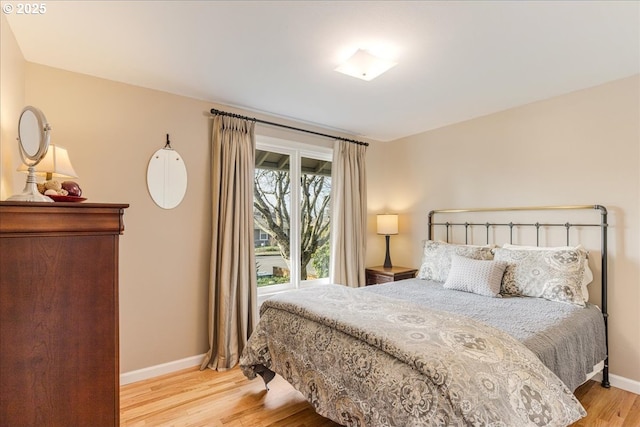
(33, 141)
(167, 178)
(33, 135)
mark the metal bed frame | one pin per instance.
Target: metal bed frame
(468, 226)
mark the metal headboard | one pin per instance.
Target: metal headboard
(468, 226)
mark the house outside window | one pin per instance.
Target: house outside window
(292, 197)
(260, 238)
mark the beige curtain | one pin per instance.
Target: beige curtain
(232, 282)
(348, 214)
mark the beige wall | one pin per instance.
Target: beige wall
(12, 86)
(580, 148)
(111, 130)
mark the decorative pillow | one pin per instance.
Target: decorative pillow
(476, 276)
(553, 274)
(588, 274)
(436, 258)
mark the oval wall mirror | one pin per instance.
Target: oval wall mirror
(167, 178)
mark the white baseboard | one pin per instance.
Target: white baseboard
(620, 382)
(157, 370)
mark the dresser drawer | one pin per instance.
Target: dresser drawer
(377, 275)
(374, 278)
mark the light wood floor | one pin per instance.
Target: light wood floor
(220, 399)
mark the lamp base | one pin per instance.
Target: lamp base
(387, 259)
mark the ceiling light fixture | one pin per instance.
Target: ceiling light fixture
(364, 65)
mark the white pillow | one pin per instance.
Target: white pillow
(482, 277)
(587, 278)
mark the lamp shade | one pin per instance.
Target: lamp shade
(388, 224)
(55, 163)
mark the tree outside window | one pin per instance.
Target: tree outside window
(305, 230)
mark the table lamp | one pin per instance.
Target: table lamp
(55, 163)
(387, 225)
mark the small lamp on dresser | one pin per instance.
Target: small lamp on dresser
(387, 224)
(55, 164)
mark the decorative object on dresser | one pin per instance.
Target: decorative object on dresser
(381, 274)
(59, 313)
(33, 141)
(387, 225)
(54, 166)
(39, 157)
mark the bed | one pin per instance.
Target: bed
(486, 335)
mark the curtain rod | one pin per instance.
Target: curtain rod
(238, 116)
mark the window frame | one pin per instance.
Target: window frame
(296, 151)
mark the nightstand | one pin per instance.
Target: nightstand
(379, 274)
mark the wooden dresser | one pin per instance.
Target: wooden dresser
(59, 314)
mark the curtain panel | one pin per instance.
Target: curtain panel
(348, 214)
(233, 311)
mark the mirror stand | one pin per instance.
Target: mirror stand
(30, 192)
(33, 141)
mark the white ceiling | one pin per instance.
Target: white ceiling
(456, 60)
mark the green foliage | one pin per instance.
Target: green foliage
(320, 260)
(267, 250)
(271, 280)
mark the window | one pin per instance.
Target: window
(292, 193)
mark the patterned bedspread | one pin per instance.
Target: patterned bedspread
(368, 360)
(568, 339)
